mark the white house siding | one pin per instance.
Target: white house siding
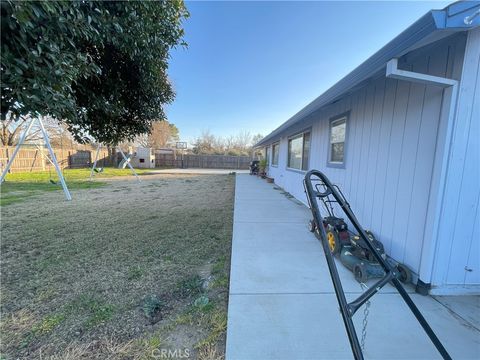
(459, 230)
(390, 150)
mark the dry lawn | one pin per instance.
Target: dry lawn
(125, 271)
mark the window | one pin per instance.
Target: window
(275, 152)
(299, 151)
(338, 128)
(267, 154)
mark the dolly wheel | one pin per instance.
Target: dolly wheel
(360, 273)
(404, 274)
(311, 226)
(333, 242)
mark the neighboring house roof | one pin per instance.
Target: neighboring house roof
(434, 25)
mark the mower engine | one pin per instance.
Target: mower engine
(361, 249)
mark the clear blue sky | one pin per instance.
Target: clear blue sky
(252, 65)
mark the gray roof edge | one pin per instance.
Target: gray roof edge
(430, 22)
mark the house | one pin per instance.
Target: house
(400, 136)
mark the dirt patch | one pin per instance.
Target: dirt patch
(122, 271)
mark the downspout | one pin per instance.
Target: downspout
(429, 248)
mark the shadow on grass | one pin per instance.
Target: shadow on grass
(14, 192)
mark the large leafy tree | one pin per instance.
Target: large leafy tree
(100, 67)
(162, 134)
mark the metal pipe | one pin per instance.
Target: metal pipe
(55, 163)
(332, 268)
(349, 309)
(430, 247)
(128, 164)
(469, 19)
(15, 152)
(95, 162)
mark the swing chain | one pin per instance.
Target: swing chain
(366, 311)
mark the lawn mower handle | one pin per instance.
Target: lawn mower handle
(348, 309)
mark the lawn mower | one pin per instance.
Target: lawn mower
(254, 167)
(352, 250)
(361, 252)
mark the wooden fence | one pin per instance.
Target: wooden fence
(202, 161)
(31, 158)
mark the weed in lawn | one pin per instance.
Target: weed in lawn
(203, 304)
(209, 352)
(97, 311)
(190, 286)
(217, 324)
(46, 294)
(185, 318)
(48, 324)
(219, 266)
(135, 272)
(145, 348)
(221, 281)
(100, 314)
(152, 305)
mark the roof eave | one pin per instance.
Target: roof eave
(450, 18)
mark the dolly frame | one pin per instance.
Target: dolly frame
(349, 309)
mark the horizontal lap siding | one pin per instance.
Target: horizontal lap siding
(390, 151)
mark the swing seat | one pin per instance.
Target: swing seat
(98, 170)
(53, 182)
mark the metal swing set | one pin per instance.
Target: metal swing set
(53, 160)
(126, 161)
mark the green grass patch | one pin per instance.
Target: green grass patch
(48, 324)
(135, 272)
(96, 311)
(14, 192)
(22, 185)
(221, 281)
(70, 175)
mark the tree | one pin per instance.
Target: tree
(10, 132)
(100, 67)
(235, 145)
(256, 139)
(206, 143)
(161, 135)
(11, 129)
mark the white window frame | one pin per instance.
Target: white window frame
(334, 121)
(275, 146)
(302, 135)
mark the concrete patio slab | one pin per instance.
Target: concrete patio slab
(467, 307)
(282, 304)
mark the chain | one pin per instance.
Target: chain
(366, 311)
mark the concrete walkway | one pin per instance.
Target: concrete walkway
(282, 304)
